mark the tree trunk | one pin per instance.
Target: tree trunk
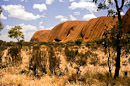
(118, 47)
(109, 64)
(117, 59)
(17, 40)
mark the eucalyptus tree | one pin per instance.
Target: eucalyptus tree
(115, 7)
(16, 33)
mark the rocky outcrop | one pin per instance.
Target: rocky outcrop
(41, 36)
(96, 27)
(126, 22)
(70, 30)
(86, 30)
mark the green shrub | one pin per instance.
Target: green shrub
(37, 62)
(69, 43)
(43, 43)
(100, 77)
(50, 44)
(0, 57)
(129, 60)
(21, 42)
(78, 42)
(11, 43)
(94, 60)
(99, 41)
(82, 60)
(15, 55)
(70, 54)
(27, 44)
(3, 45)
(92, 45)
(54, 62)
(58, 44)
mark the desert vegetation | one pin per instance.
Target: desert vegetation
(60, 64)
(80, 61)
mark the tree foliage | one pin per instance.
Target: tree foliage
(110, 5)
(16, 33)
(1, 25)
(78, 42)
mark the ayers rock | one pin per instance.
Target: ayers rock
(87, 30)
(41, 36)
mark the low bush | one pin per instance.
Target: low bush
(70, 43)
(11, 43)
(1, 56)
(78, 42)
(14, 52)
(99, 41)
(53, 61)
(90, 44)
(3, 45)
(37, 62)
(70, 54)
(43, 43)
(82, 60)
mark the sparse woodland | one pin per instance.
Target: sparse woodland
(60, 64)
(101, 62)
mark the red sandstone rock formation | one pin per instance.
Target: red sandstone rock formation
(87, 30)
(126, 22)
(41, 36)
(96, 27)
(70, 30)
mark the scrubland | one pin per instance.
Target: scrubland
(61, 64)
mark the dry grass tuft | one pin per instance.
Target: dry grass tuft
(60, 66)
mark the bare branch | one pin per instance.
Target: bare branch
(123, 1)
(117, 6)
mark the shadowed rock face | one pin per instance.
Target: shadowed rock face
(126, 22)
(96, 27)
(87, 30)
(70, 30)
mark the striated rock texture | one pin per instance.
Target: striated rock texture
(96, 27)
(70, 30)
(87, 30)
(41, 36)
(126, 22)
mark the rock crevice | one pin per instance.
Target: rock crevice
(87, 30)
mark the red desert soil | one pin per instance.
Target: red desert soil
(87, 30)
